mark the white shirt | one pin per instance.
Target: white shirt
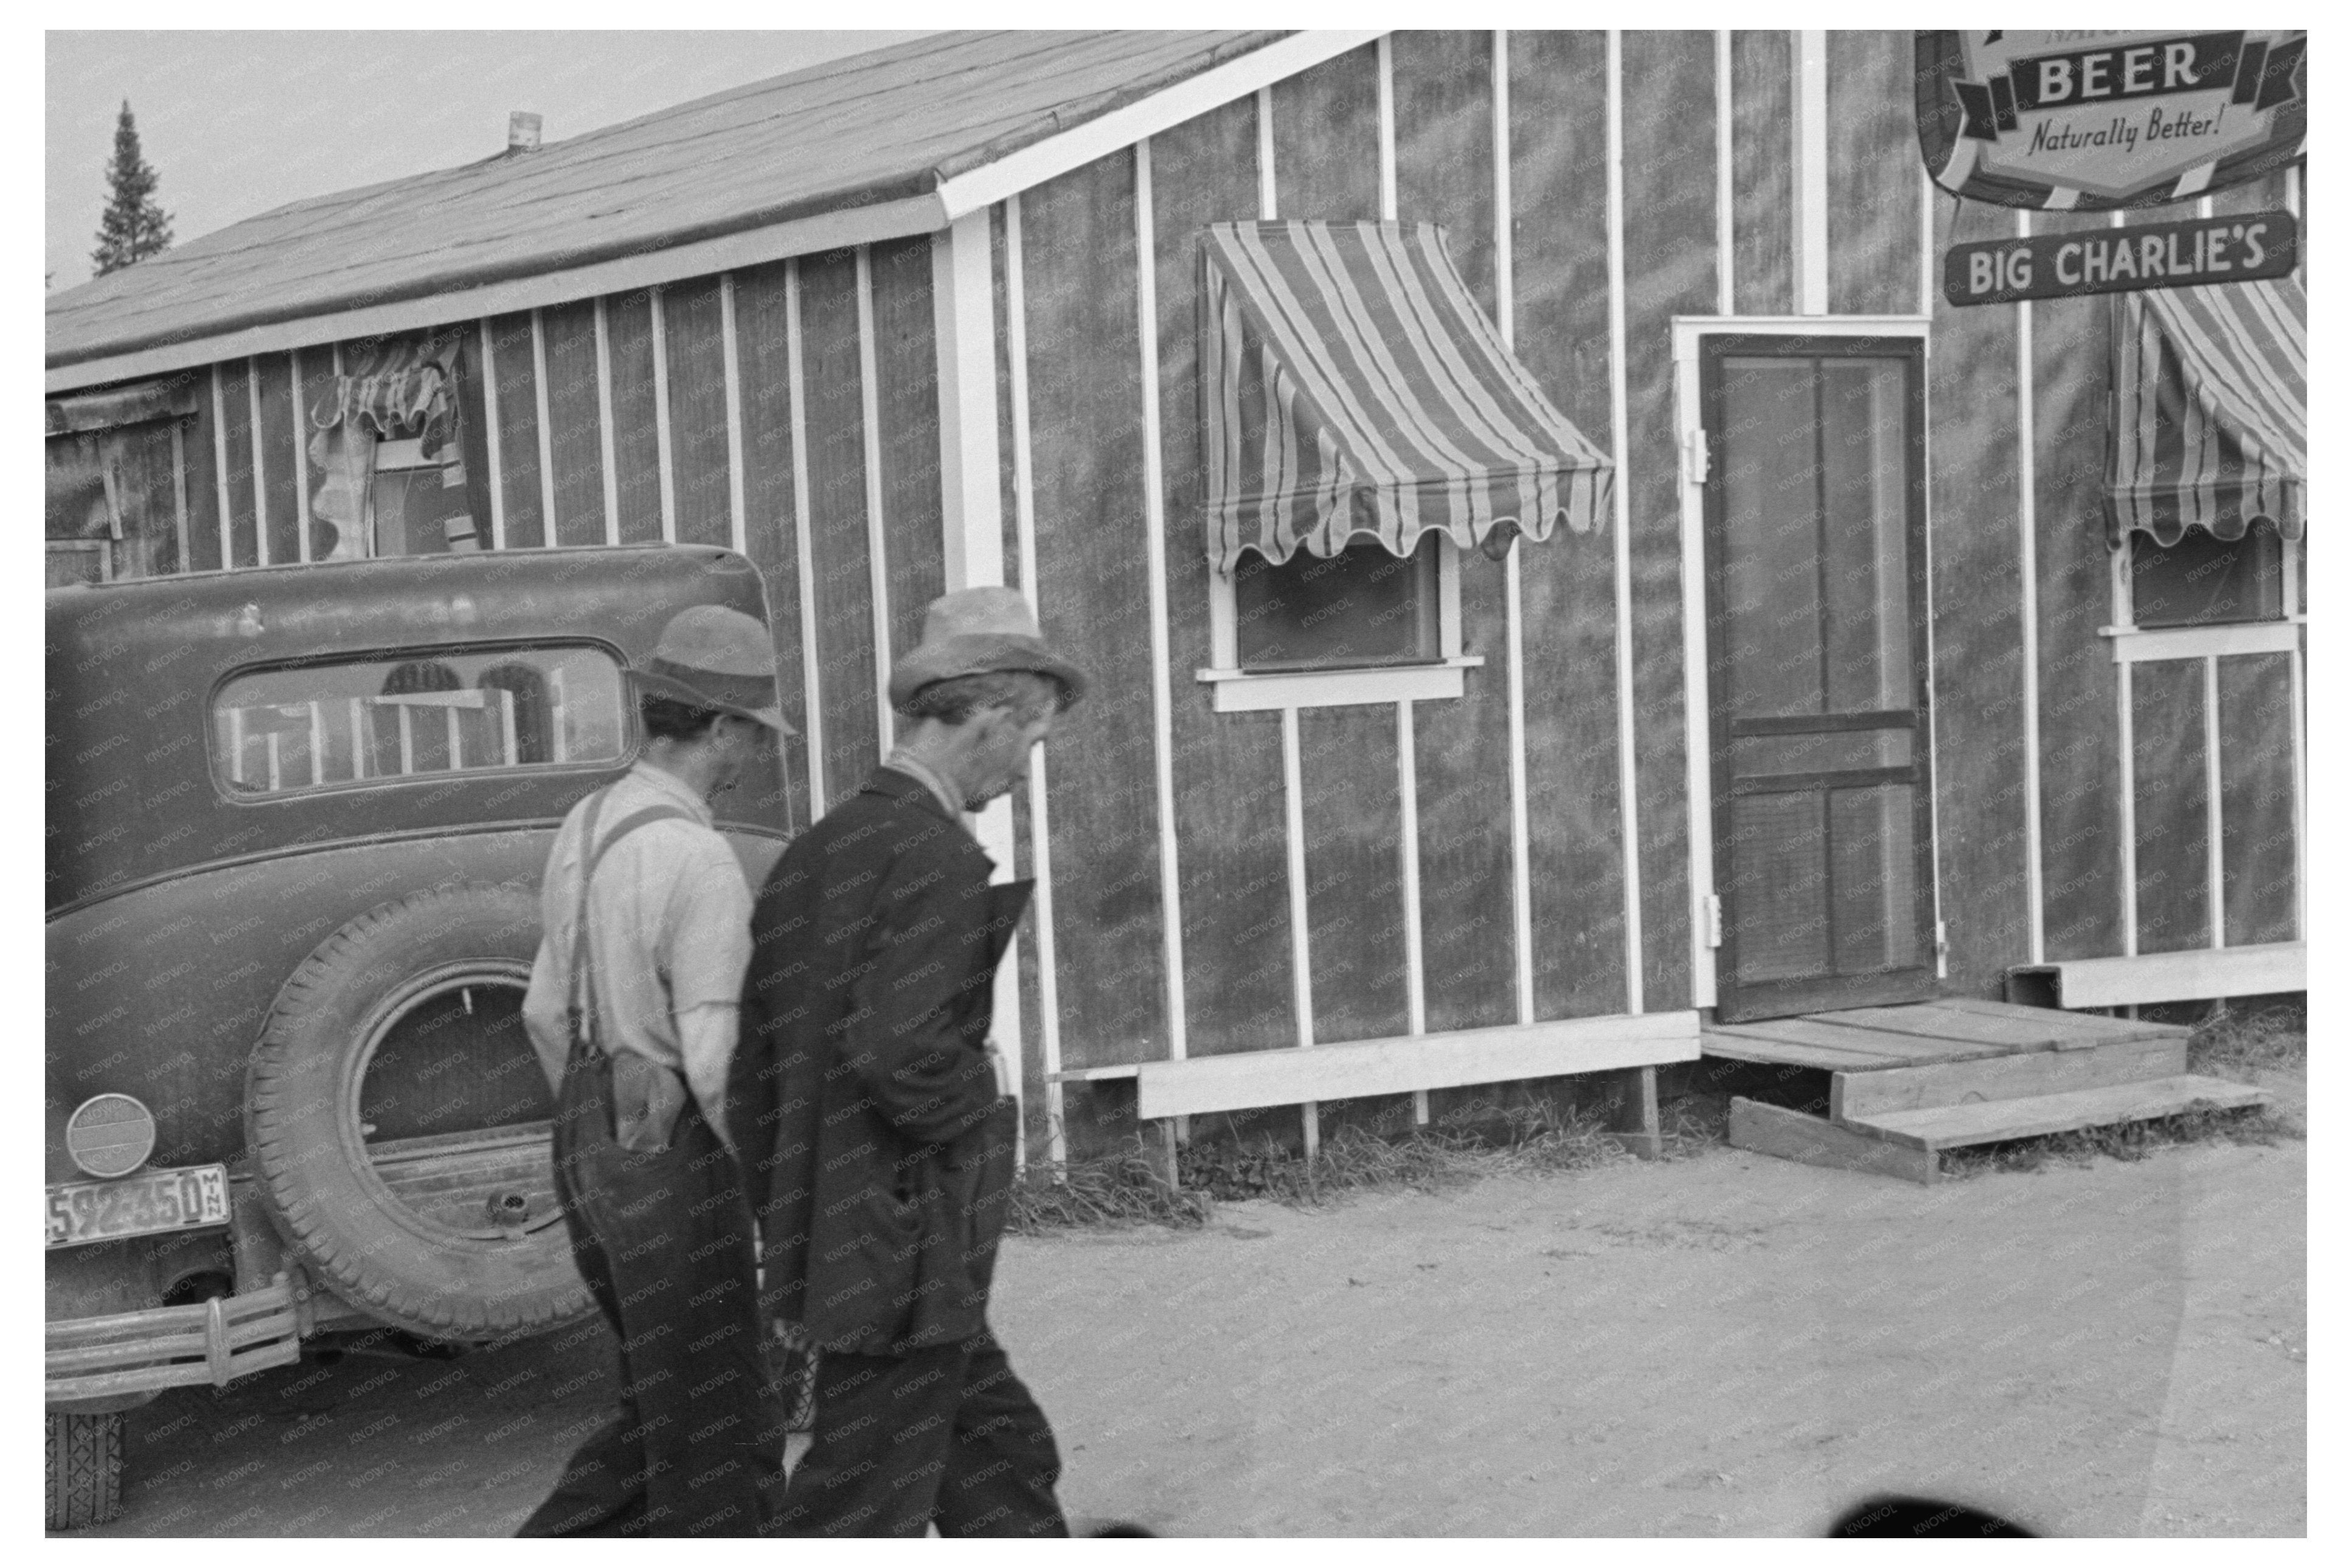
(669, 937)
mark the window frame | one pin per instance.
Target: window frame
(1236, 689)
(632, 729)
(405, 455)
(2134, 643)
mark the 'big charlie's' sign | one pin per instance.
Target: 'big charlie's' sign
(2088, 120)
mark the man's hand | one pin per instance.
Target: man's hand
(1007, 1087)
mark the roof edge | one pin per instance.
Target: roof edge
(833, 230)
(1009, 166)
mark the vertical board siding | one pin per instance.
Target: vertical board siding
(1669, 148)
(1763, 184)
(2081, 829)
(906, 367)
(1008, 477)
(474, 439)
(1078, 262)
(1355, 924)
(1326, 164)
(1233, 865)
(636, 440)
(2168, 797)
(761, 347)
(575, 433)
(518, 404)
(1561, 284)
(317, 366)
(197, 452)
(236, 426)
(1445, 146)
(276, 479)
(836, 470)
(1445, 158)
(700, 478)
(2258, 859)
(1972, 537)
(1875, 186)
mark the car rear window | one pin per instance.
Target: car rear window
(322, 726)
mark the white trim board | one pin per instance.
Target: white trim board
(2199, 974)
(1402, 1064)
(1186, 99)
(2139, 645)
(1246, 691)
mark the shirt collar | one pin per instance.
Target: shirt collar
(672, 787)
(902, 761)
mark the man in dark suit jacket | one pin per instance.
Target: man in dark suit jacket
(877, 1113)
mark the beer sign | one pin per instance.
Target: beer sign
(2089, 121)
(2112, 260)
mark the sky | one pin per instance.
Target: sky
(235, 123)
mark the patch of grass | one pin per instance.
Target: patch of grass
(2238, 1045)
(1484, 1141)
(1690, 1123)
(2126, 1140)
(1126, 1188)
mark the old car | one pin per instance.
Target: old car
(296, 821)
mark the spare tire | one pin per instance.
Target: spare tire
(399, 1120)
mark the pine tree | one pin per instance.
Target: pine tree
(135, 225)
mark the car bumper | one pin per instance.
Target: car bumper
(164, 1347)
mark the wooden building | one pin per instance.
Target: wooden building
(1841, 688)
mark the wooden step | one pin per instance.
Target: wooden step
(1992, 1120)
(1810, 1140)
(1879, 1091)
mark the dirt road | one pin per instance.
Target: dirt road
(1723, 1345)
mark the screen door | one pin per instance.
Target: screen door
(1816, 660)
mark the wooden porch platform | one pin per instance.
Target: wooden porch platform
(1906, 1082)
(1951, 1029)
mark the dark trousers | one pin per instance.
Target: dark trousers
(947, 1437)
(663, 1240)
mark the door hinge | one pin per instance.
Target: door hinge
(1714, 921)
(1694, 462)
(1943, 948)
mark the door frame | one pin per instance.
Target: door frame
(1689, 335)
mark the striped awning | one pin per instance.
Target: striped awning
(2207, 411)
(1351, 387)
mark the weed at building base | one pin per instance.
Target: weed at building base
(1125, 1188)
(2125, 1141)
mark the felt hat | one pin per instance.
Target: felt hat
(712, 656)
(981, 631)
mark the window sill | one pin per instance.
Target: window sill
(2135, 645)
(1242, 691)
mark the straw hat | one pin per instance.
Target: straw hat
(981, 631)
(712, 657)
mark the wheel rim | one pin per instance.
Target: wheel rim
(444, 1111)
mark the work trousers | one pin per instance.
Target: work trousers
(947, 1437)
(664, 1241)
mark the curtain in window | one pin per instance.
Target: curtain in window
(1350, 386)
(2206, 411)
(396, 390)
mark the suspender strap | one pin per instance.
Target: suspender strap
(583, 987)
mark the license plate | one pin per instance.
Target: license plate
(188, 1198)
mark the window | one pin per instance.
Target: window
(2205, 582)
(315, 726)
(419, 505)
(1360, 608)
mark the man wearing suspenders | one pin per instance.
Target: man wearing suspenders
(632, 1010)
